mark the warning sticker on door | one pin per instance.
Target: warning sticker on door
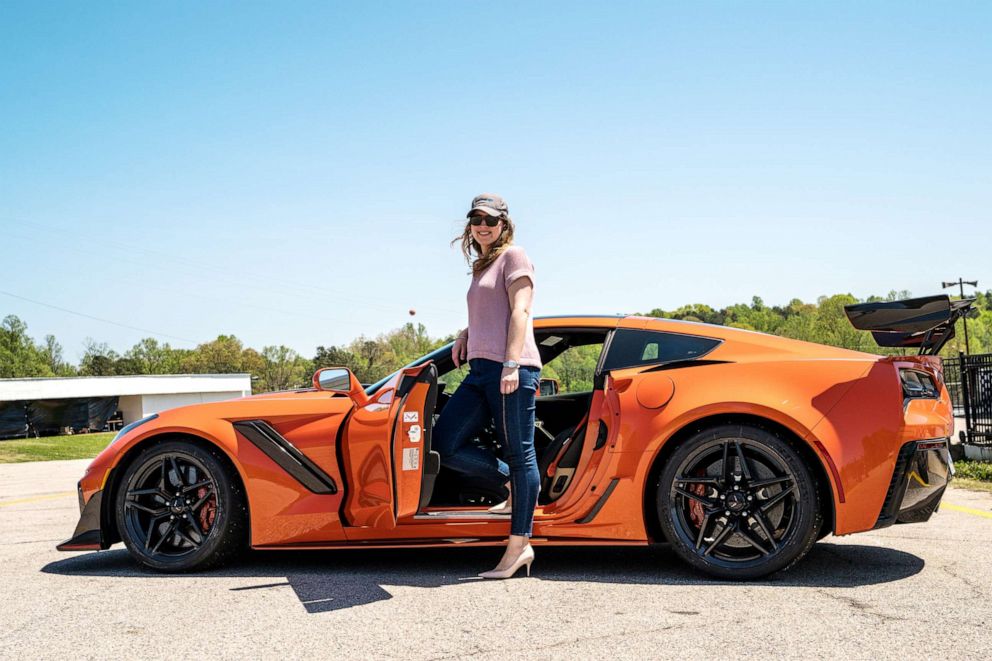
(411, 459)
(414, 433)
(410, 416)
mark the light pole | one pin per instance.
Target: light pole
(961, 283)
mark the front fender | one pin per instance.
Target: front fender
(281, 509)
(218, 433)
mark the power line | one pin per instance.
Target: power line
(89, 316)
(306, 289)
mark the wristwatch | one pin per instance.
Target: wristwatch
(512, 364)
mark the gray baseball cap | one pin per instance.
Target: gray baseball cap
(491, 203)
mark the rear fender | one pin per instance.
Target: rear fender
(864, 433)
(749, 413)
(793, 395)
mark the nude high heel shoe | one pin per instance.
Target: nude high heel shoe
(525, 558)
(506, 507)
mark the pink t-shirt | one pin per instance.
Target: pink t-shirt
(489, 309)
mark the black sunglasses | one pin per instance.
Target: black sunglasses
(488, 220)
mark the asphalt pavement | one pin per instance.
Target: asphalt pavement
(910, 591)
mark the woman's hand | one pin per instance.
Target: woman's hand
(510, 380)
(459, 352)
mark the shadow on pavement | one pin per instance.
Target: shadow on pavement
(332, 580)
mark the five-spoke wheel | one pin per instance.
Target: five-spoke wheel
(178, 507)
(738, 502)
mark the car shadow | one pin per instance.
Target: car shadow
(331, 580)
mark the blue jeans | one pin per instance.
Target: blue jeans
(474, 403)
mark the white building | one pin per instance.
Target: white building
(139, 396)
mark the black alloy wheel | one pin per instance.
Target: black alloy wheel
(738, 502)
(178, 508)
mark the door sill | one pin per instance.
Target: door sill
(473, 514)
(460, 515)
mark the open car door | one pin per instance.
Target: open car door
(389, 463)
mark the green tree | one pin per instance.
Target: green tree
(574, 368)
(376, 358)
(333, 356)
(150, 357)
(225, 355)
(19, 356)
(369, 367)
(98, 359)
(52, 351)
(282, 369)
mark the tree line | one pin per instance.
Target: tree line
(371, 358)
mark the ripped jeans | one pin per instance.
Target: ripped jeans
(474, 403)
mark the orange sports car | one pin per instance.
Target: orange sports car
(738, 448)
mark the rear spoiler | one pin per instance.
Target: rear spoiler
(927, 323)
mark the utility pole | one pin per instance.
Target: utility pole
(961, 283)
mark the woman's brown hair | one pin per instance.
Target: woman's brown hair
(473, 251)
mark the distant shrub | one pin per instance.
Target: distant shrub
(974, 470)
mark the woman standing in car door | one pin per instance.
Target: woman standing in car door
(505, 370)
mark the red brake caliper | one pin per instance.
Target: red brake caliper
(208, 511)
(695, 507)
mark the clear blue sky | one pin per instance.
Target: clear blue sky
(292, 173)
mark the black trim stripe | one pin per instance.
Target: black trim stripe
(339, 455)
(432, 459)
(679, 364)
(286, 455)
(599, 503)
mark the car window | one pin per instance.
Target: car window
(574, 368)
(439, 354)
(630, 348)
(453, 378)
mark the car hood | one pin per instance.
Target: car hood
(286, 403)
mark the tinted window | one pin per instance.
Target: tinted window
(630, 348)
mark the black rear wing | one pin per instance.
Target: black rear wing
(927, 323)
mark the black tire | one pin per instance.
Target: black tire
(738, 502)
(179, 508)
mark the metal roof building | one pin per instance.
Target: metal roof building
(137, 396)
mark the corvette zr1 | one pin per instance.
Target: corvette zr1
(738, 448)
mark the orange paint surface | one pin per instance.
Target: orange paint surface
(846, 407)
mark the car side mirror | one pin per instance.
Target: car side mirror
(548, 387)
(340, 380)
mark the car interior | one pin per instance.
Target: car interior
(569, 357)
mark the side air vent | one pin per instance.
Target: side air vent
(897, 487)
(286, 455)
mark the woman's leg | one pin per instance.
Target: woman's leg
(465, 414)
(514, 414)
(515, 425)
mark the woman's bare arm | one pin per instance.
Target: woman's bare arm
(459, 351)
(521, 294)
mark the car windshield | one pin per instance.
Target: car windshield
(433, 355)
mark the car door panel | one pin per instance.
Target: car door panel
(385, 452)
(414, 466)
